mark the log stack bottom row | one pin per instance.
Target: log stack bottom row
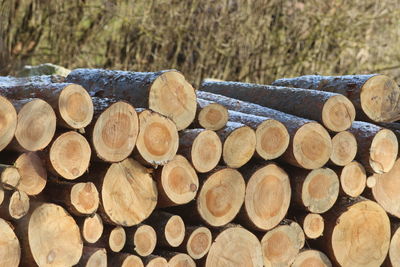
(118, 168)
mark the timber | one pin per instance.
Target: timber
(313, 225)
(344, 148)
(210, 115)
(353, 179)
(125, 260)
(93, 257)
(311, 257)
(15, 205)
(9, 177)
(141, 239)
(197, 241)
(8, 116)
(33, 173)
(10, 250)
(91, 228)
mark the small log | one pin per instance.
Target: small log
(33, 173)
(155, 261)
(235, 246)
(267, 196)
(177, 182)
(352, 179)
(91, 228)
(281, 245)
(393, 258)
(9, 177)
(374, 96)
(10, 249)
(202, 147)
(344, 148)
(113, 238)
(313, 224)
(310, 144)
(239, 144)
(176, 259)
(93, 257)
(141, 239)
(15, 205)
(211, 116)
(197, 241)
(125, 260)
(311, 258)
(158, 138)
(166, 92)
(8, 122)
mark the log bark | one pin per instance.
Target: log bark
(93, 257)
(374, 96)
(202, 147)
(334, 111)
(344, 148)
(125, 260)
(313, 224)
(10, 251)
(9, 122)
(91, 227)
(353, 179)
(141, 239)
(197, 242)
(210, 115)
(15, 205)
(166, 92)
(311, 257)
(310, 144)
(9, 177)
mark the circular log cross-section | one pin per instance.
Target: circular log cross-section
(281, 245)
(62, 245)
(93, 257)
(115, 132)
(33, 173)
(206, 151)
(394, 249)
(128, 193)
(155, 261)
(1, 195)
(70, 155)
(272, 139)
(174, 231)
(313, 225)
(36, 125)
(144, 239)
(125, 260)
(308, 258)
(8, 122)
(181, 260)
(353, 179)
(158, 138)
(338, 113)
(344, 148)
(198, 241)
(267, 197)
(212, 116)
(92, 228)
(235, 247)
(10, 177)
(18, 205)
(10, 250)
(221, 197)
(117, 239)
(84, 198)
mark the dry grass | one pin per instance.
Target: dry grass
(247, 40)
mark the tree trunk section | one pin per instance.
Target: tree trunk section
(176, 259)
(9, 177)
(93, 257)
(15, 205)
(9, 122)
(353, 179)
(33, 173)
(155, 261)
(313, 225)
(311, 257)
(141, 239)
(91, 227)
(210, 115)
(10, 250)
(125, 260)
(344, 148)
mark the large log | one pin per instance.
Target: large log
(334, 111)
(10, 251)
(141, 239)
(353, 179)
(344, 148)
(93, 257)
(15, 205)
(374, 96)
(311, 257)
(166, 92)
(310, 144)
(8, 116)
(210, 115)
(197, 241)
(33, 173)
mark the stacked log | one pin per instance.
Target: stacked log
(119, 168)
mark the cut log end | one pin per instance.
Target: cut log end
(338, 113)
(206, 151)
(361, 236)
(145, 240)
(213, 117)
(175, 231)
(375, 101)
(171, 95)
(371, 181)
(309, 258)
(10, 178)
(92, 228)
(394, 249)
(115, 132)
(353, 179)
(36, 125)
(320, 190)
(383, 151)
(97, 259)
(281, 245)
(344, 148)
(267, 197)
(70, 155)
(8, 122)
(156, 261)
(85, 198)
(75, 106)
(181, 260)
(158, 138)
(117, 239)
(235, 247)
(221, 197)
(10, 251)
(199, 243)
(312, 146)
(313, 225)
(1, 195)
(132, 261)
(19, 205)
(239, 147)
(33, 173)
(272, 139)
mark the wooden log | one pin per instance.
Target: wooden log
(158, 138)
(10, 251)
(311, 257)
(93, 257)
(197, 241)
(177, 182)
(33, 173)
(210, 115)
(72, 103)
(310, 144)
(69, 155)
(374, 96)
(141, 239)
(91, 228)
(8, 116)
(281, 245)
(267, 196)
(237, 247)
(170, 228)
(15, 205)
(334, 111)
(166, 92)
(176, 259)
(202, 147)
(344, 148)
(9, 177)
(313, 224)
(113, 238)
(1, 195)
(393, 258)
(239, 144)
(125, 260)
(155, 261)
(272, 137)
(352, 179)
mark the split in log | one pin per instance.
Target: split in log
(9, 177)
(235, 247)
(158, 138)
(141, 239)
(15, 205)
(125, 260)
(166, 92)
(155, 261)
(93, 257)
(281, 245)
(374, 96)
(308, 258)
(177, 182)
(197, 241)
(313, 225)
(344, 148)
(8, 117)
(353, 179)
(310, 144)
(10, 251)
(91, 228)
(69, 155)
(202, 147)
(211, 116)
(33, 173)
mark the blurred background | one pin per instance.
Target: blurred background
(240, 40)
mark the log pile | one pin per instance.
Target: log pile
(118, 168)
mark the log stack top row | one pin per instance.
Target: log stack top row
(122, 168)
